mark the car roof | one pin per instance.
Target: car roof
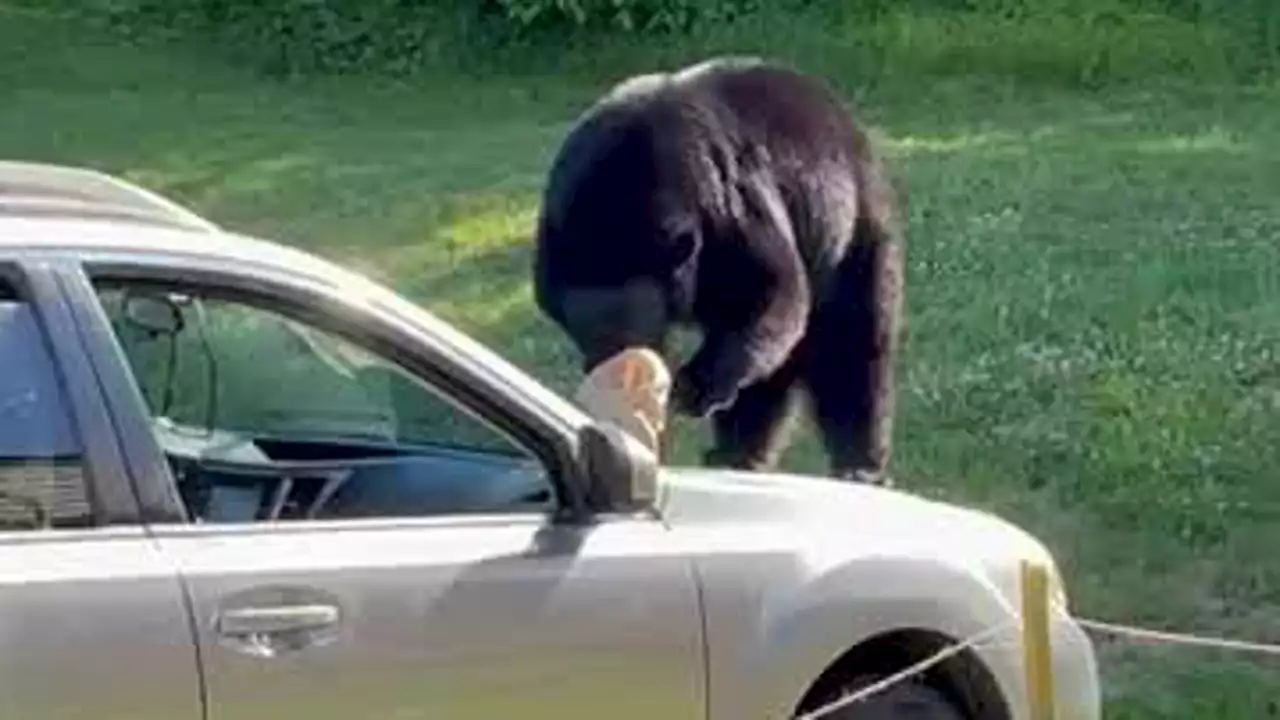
(102, 234)
(32, 189)
(48, 207)
(61, 209)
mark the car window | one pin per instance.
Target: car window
(42, 480)
(261, 414)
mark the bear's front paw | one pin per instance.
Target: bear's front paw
(700, 397)
(867, 477)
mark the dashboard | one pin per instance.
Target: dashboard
(227, 477)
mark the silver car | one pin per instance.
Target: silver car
(238, 482)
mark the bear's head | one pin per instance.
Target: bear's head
(621, 230)
(629, 305)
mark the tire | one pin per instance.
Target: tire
(904, 701)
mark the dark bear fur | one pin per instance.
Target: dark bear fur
(741, 198)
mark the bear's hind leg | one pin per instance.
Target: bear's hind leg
(850, 369)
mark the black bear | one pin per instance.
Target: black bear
(737, 196)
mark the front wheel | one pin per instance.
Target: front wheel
(908, 700)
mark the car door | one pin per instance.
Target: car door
(93, 622)
(424, 572)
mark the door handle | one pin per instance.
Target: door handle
(251, 621)
(268, 621)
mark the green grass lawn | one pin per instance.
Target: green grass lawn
(1094, 290)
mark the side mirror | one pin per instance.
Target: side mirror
(622, 472)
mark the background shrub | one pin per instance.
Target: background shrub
(1083, 40)
(318, 36)
(663, 16)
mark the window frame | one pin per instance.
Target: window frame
(322, 307)
(110, 498)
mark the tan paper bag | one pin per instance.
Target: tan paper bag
(631, 390)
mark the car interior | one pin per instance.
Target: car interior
(262, 418)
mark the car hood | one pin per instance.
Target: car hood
(708, 497)
(830, 522)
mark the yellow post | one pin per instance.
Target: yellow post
(1037, 655)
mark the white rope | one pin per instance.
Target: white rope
(1129, 631)
(1137, 633)
(880, 686)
